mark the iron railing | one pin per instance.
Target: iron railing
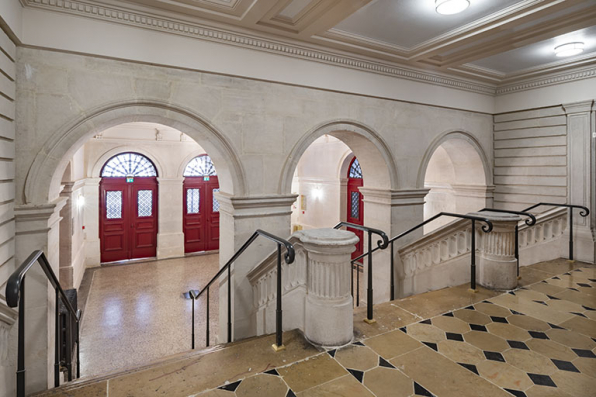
(381, 244)
(584, 212)
(531, 221)
(15, 297)
(288, 257)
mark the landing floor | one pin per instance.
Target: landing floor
(135, 314)
(539, 340)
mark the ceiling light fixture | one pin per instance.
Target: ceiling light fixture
(569, 49)
(450, 7)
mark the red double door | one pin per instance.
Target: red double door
(201, 214)
(356, 212)
(128, 218)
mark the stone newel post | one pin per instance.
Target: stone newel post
(329, 305)
(497, 263)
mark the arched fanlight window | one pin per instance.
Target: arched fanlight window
(128, 165)
(355, 170)
(200, 166)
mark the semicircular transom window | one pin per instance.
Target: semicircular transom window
(355, 170)
(128, 165)
(200, 166)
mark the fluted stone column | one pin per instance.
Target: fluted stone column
(329, 307)
(497, 266)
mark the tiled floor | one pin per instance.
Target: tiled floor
(135, 314)
(539, 340)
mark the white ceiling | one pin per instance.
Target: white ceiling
(494, 42)
(407, 23)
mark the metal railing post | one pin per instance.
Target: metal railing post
(473, 258)
(369, 297)
(357, 285)
(517, 248)
(207, 324)
(78, 344)
(69, 348)
(278, 346)
(57, 344)
(21, 347)
(571, 234)
(392, 274)
(192, 298)
(229, 305)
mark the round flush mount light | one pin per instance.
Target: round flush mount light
(569, 49)
(450, 7)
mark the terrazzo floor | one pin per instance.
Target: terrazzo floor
(539, 340)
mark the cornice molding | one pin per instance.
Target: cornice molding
(199, 31)
(173, 26)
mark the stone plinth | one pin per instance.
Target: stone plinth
(497, 266)
(329, 305)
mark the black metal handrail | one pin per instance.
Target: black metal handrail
(583, 213)
(288, 257)
(381, 244)
(15, 297)
(531, 221)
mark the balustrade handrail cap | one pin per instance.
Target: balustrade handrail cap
(327, 236)
(496, 216)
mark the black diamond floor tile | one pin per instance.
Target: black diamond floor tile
(538, 335)
(427, 321)
(555, 278)
(385, 363)
(541, 302)
(469, 308)
(516, 393)
(574, 289)
(494, 356)
(431, 345)
(542, 380)
(554, 326)
(448, 314)
(497, 319)
(290, 393)
(454, 336)
(518, 313)
(359, 375)
(588, 308)
(272, 372)
(518, 345)
(332, 352)
(511, 293)
(230, 386)
(470, 367)
(584, 285)
(490, 303)
(579, 314)
(584, 353)
(421, 391)
(404, 330)
(358, 343)
(477, 327)
(565, 365)
(553, 298)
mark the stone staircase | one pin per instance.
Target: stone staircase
(536, 340)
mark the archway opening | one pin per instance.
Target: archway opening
(457, 180)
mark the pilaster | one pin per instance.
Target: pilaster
(91, 222)
(170, 238)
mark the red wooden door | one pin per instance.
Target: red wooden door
(355, 205)
(200, 214)
(128, 218)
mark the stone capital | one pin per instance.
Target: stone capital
(92, 181)
(38, 218)
(256, 206)
(394, 198)
(578, 107)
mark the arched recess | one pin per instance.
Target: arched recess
(457, 173)
(42, 184)
(95, 171)
(368, 146)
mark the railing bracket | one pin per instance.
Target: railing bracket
(277, 348)
(370, 321)
(474, 291)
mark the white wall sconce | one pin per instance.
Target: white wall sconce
(81, 201)
(450, 7)
(569, 49)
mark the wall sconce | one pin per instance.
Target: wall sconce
(80, 201)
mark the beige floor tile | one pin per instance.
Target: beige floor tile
(504, 375)
(530, 276)
(262, 385)
(531, 295)
(426, 333)
(461, 352)
(551, 349)
(530, 361)
(451, 324)
(443, 377)
(528, 323)
(347, 386)
(578, 297)
(492, 309)
(486, 341)
(566, 306)
(571, 339)
(392, 344)
(575, 384)
(94, 390)
(508, 331)
(312, 372)
(388, 317)
(546, 288)
(545, 391)
(586, 365)
(472, 316)
(386, 382)
(536, 310)
(361, 358)
(557, 266)
(216, 393)
(582, 325)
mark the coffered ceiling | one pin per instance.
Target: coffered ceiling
(493, 42)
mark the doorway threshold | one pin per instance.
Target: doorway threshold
(128, 261)
(201, 253)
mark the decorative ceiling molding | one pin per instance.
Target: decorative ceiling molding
(463, 77)
(114, 14)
